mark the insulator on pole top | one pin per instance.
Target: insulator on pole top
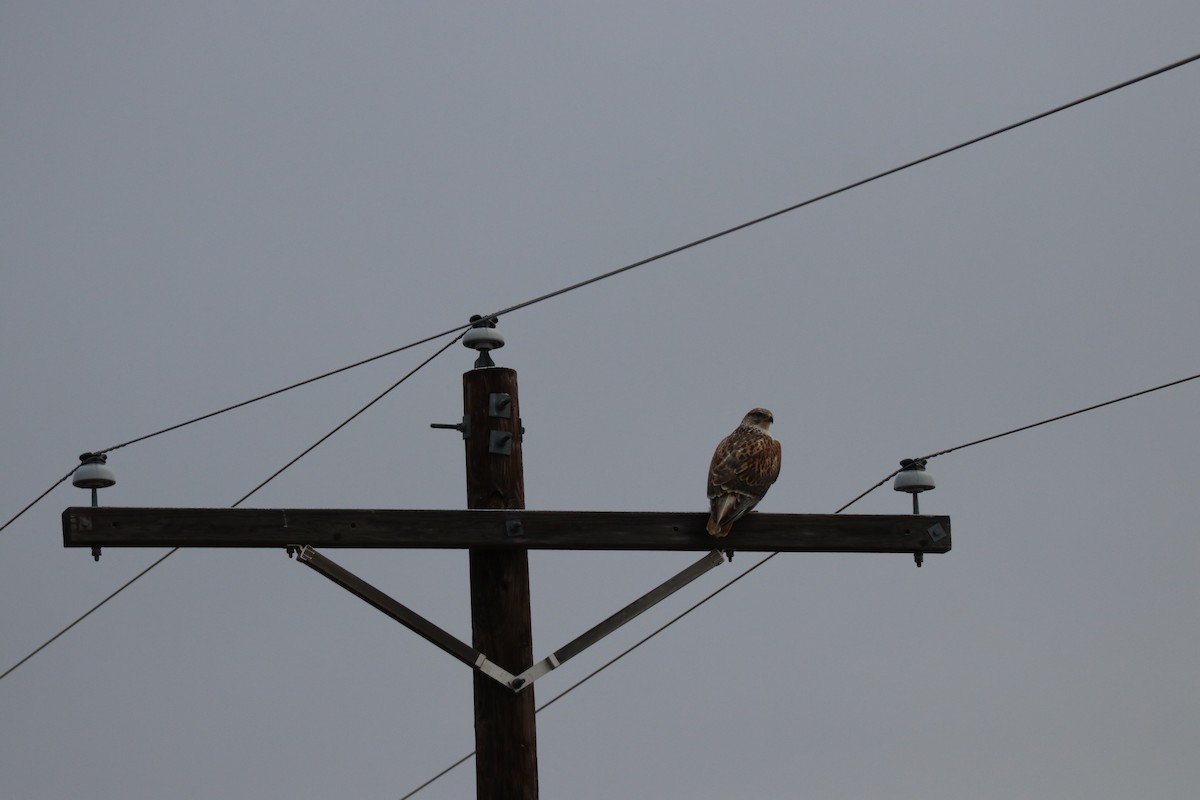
(483, 337)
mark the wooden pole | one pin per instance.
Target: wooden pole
(501, 624)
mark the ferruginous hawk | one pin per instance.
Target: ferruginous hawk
(743, 468)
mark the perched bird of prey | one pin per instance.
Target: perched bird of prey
(743, 468)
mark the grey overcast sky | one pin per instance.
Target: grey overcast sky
(203, 202)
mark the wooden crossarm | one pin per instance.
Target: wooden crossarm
(498, 529)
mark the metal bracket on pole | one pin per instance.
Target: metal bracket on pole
(495, 671)
(463, 427)
(472, 657)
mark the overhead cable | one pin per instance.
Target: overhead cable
(651, 259)
(770, 556)
(245, 497)
(1023, 428)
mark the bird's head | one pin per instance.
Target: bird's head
(759, 418)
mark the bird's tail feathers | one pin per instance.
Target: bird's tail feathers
(719, 522)
(718, 530)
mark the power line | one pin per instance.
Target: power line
(850, 186)
(770, 556)
(36, 500)
(1025, 428)
(245, 497)
(314, 379)
(1061, 416)
(84, 616)
(610, 662)
(462, 328)
(651, 259)
(243, 404)
(351, 418)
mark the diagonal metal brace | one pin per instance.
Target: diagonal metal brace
(309, 557)
(612, 623)
(401, 613)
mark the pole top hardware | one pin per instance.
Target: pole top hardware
(463, 427)
(912, 477)
(93, 472)
(483, 337)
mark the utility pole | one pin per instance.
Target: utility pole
(501, 621)
(498, 533)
